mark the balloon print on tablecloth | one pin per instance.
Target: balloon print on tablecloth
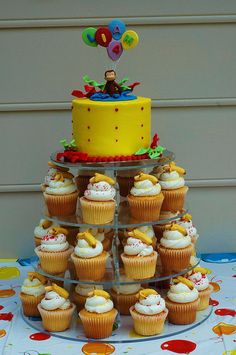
(98, 348)
(224, 329)
(2, 333)
(40, 336)
(9, 272)
(225, 312)
(179, 346)
(6, 316)
(9, 292)
(115, 38)
(213, 303)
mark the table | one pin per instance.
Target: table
(16, 337)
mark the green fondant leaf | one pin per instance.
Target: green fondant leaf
(141, 151)
(156, 152)
(123, 81)
(91, 82)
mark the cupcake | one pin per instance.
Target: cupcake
(51, 173)
(89, 258)
(81, 293)
(175, 248)
(148, 230)
(32, 292)
(125, 181)
(186, 222)
(98, 204)
(104, 235)
(199, 278)
(149, 313)
(173, 187)
(139, 258)
(182, 301)
(56, 309)
(54, 251)
(98, 315)
(124, 296)
(145, 198)
(42, 229)
(160, 227)
(61, 195)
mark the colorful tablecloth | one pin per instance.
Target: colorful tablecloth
(216, 336)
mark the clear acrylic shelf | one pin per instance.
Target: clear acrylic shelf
(166, 157)
(123, 329)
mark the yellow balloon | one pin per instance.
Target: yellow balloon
(129, 39)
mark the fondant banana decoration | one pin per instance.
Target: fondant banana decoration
(184, 281)
(186, 217)
(45, 224)
(58, 230)
(61, 176)
(200, 269)
(36, 275)
(100, 293)
(59, 290)
(59, 168)
(141, 236)
(90, 239)
(176, 168)
(100, 177)
(142, 177)
(176, 227)
(146, 292)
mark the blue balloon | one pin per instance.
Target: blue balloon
(117, 28)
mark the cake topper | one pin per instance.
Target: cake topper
(115, 38)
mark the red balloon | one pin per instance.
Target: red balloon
(103, 36)
(179, 346)
(225, 312)
(213, 303)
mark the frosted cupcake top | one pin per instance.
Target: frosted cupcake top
(100, 188)
(171, 176)
(126, 289)
(199, 278)
(87, 246)
(98, 302)
(55, 298)
(182, 291)
(148, 230)
(138, 244)
(34, 284)
(62, 183)
(186, 222)
(43, 227)
(175, 237)
(145, 185)
(55, 240)
(150, 302)
(86, 289)
(98, 233)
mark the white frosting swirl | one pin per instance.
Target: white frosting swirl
(172, 180)
(188, 225)
(152, 304)
(85, 289)
(145, 188)
(200, 281)
(175, 240)
(61, 187)
(127, 289)
(100, 191)
(137, 247)
(33, 287)
(50, 175)
(53, 301)
(54, 243)
(180, 293)
(84, 250)
(40, 232)
(98, 304)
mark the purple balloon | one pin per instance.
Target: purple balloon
(114, 50)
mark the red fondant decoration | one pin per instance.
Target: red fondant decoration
(213, 303)
(179, 346)
(78, 93)
(75, 157)
(132, 86)
(155, 140)
(225, 312)
(40, 336)
(6, 316)
(1, 307)
(103, 36)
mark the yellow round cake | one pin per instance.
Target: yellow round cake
(111, 128)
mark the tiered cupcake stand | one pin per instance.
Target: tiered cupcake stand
(123, 327)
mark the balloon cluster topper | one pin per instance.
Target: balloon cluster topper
(115, 38)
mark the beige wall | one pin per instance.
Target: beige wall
(186, 64)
